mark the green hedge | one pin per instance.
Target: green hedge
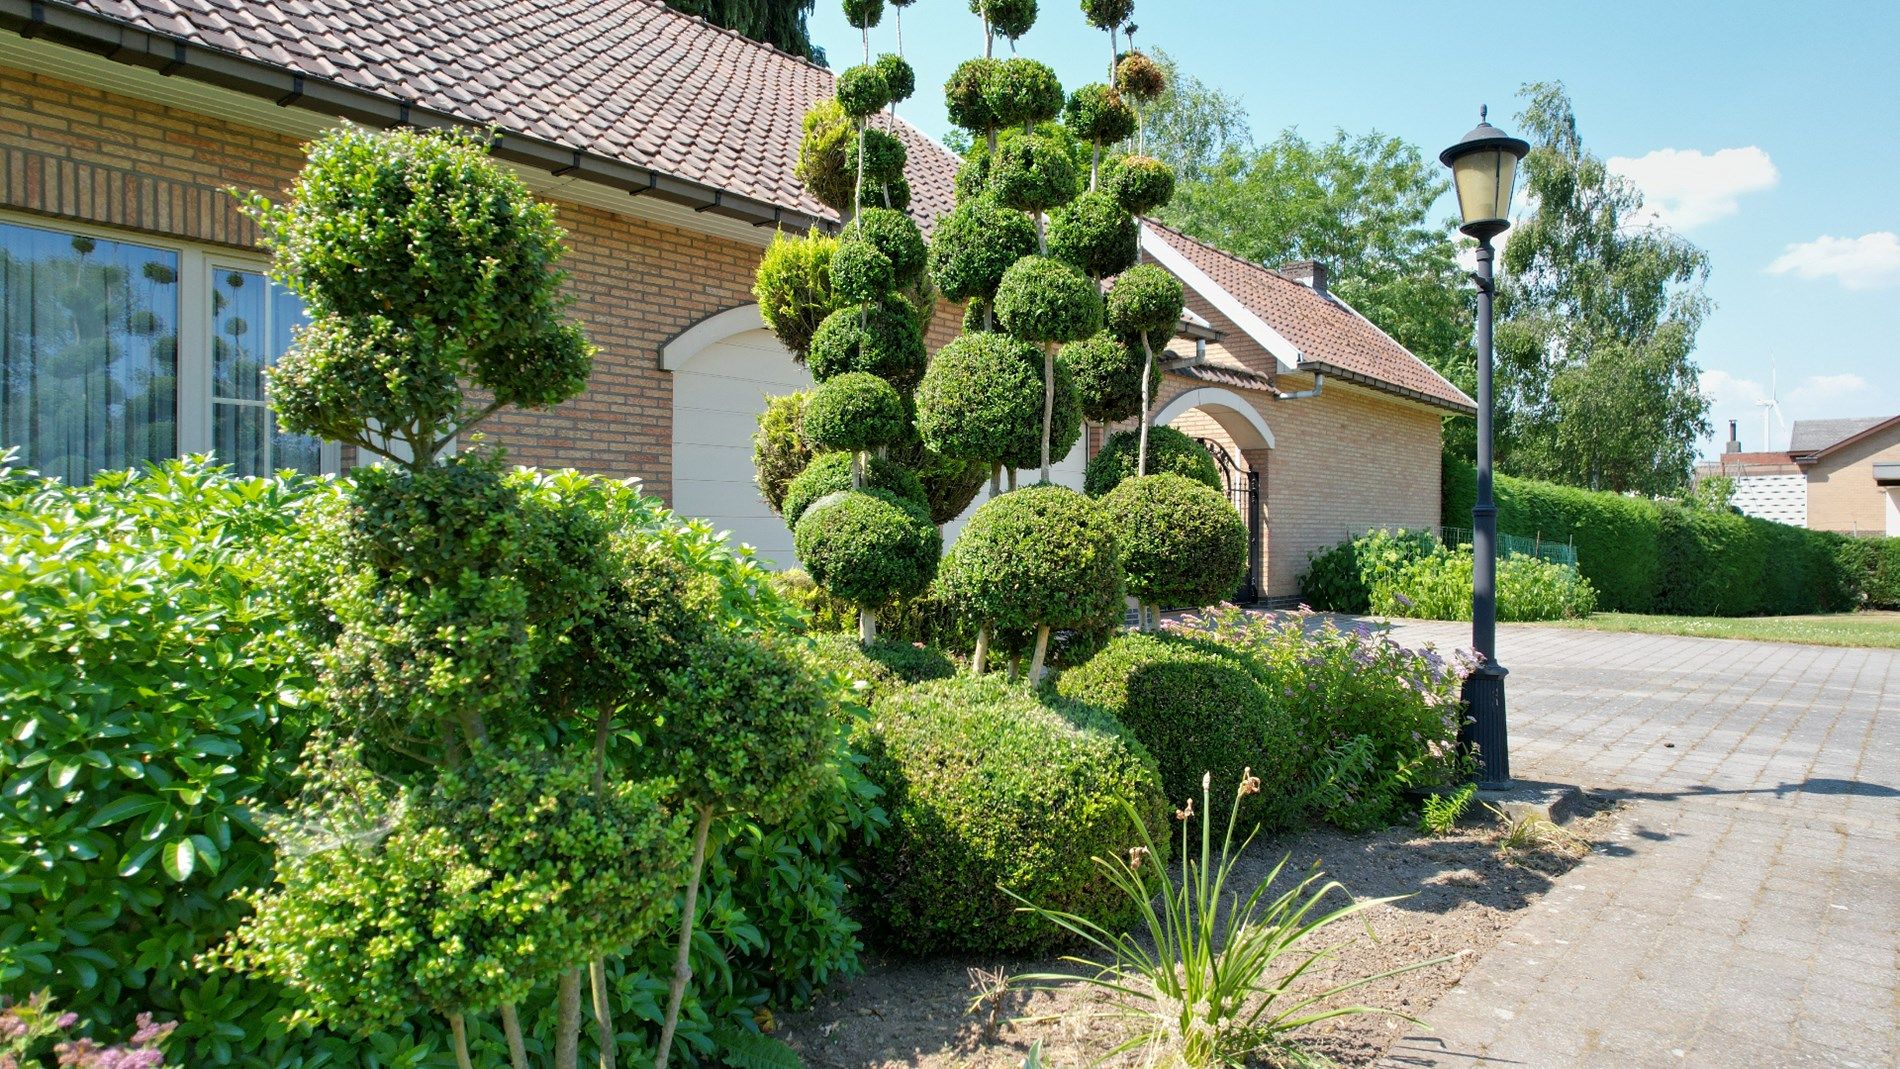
(1649, 556)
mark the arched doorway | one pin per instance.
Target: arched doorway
(1229, 426)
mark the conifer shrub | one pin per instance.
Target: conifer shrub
(1041, 556)
(831, 473)
(1140, 184)
(1042, 299)
(893, 234)
(1034, 172)
(853, 412)
(1096, 112)
(975, 244)
(1095, 235)
(862, 91)
(880, 339)
(988, 788)
(982, 394)
(793, 286)
(1107, 377)
(1182, 544)
(1169, 453)
(868, 547)
(822, 152)
(779, 452)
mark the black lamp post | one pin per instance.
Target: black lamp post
(1483, 169)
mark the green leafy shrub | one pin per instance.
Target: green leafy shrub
(1042, 299)
(779, 452)
(793, 285)
(1144, 299)
(884, 158)
(862, 91)
(975, 244)
(1107, 14)
(1097, 113)
(899, 78)
(1181, 543)
(1039, 556)
(1140, 184)
(1437, 586)
(880, 339)
(1034, 172)
(868, 547)
(893, 234)
(853, 412)
(1169, 453)
(1021, 91)
(987, 788)
(1095, 236)
(828, 134)
(831, 474)
(1065, 424)
(980, 397)
(950, 483)
(863, 14)
(1139, 77)
(1009, 18)
(860, 272)
(1198, 712)
(1341, 577)
(1107, 377)
(964, 98)
(883, 667)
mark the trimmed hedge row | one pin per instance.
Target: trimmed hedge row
(1658, 556)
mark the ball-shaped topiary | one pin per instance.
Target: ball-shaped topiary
(1169, 453)
(883, 339)
(860, 272)
(978, 317)
(882, 668)
(1107, 377)
(1183, 544)
(1199, 713)
(852, 412)
(1145, 298)
(1041, 556)
(884, 157)
(829, 473)
(1042, 299)
(828, 136)
(1007, 18)
(1098, 113)
(962, 761)
(869, 547)
(1033, 173)
(1094, 235)
(973, 175)
(893, 234)
(963, 95)
(893, 194)
(1107, 14)
(793, 286)
(861, 91)
(980, 396)
(975, 244)
(949, 484)
(899, 79)
(1065, 426)
(1139, 77)
(1140, 184)
(779, 452)
(863, 14)
(1023, 92)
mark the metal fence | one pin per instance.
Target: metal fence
(1562, 552)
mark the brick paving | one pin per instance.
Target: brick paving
(1747, 911)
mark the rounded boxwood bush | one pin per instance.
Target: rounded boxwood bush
(963, 95)
(973, 174)
(859, 272)
(1022, 92)
(988, 788)
(1139, 77)
(975, 244)
(1169, 453)
(1093, 234)
(1008, 18)
(1096, 112)
(1042, 555)
(884, 157)
(828, 135)
(893, 194)
(1183, 545)
(1106, 374)
(1199, 713)
(1065, 426)
(980, 395)
(1043, 299)
(1034, 172)
(1145, 298)
(883, 339)
(863, 14)
(779, 452)
(793, 286)
(882, 668)
(893, 234)
(869, 547)
(853, 411)
(830, 473)
(862, 91)
(899, 79)
(1140, 184)
(1107, 14)
(950, 484)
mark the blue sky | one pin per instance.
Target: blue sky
(1769, 134)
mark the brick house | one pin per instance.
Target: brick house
(135, 318)
(1836, 475)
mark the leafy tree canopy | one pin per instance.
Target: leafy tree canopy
(779, 23)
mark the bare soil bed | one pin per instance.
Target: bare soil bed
(1465, 892)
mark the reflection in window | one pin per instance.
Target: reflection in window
(88, 351)
(252, 320)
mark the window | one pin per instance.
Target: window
(114, 353)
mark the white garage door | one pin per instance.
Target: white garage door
(717, 397)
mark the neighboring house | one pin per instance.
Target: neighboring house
(1836, 475)
(1768, 486)
(135, 318)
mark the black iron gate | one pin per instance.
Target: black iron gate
(1242, 487)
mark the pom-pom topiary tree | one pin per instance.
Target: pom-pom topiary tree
(1107, 377)
(833, 472)
(1169, 453)
(869, 547)
(793, 285)
(1182, 543)
(1144, 301)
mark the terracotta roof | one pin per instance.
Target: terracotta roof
(632, 80)
(1221, 375)
(1331, 337)
(1812, 437)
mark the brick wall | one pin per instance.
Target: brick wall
(1842, 495)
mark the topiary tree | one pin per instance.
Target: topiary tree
(1107, 377)
(1034, 559)
(834, 472)
(779, 452)
(869, 547)
(1169, 453)
(793, 285)
(1146, 300)
(851, 413)
(1044, 300)
(981, 398)
(1182, 543)
(1095, 235)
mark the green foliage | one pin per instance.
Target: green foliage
(1040, 556)
(1023, 92)
(1198, 712)
(868, 546)
(1440, 813)
(949, 484)
(893, 194)
(883, 667)
(964, 98)
(831, 473)
(1182, 544)
(1042, 299)
(1034, 172)
(1437, 586)
(1095, 236)
(1140, 78)
(863, 14)
(853, 411)
(1341, 577)
(793, 285)
(1007, 18)
(1193, 126)
(899, 79)
(893, 234)
(1097, 113)
(781, 25)
(1141, 184)
(975, 244)
(860, 272)
(1107, 377)
(883, 339)
(987, 789)
(884, 157)
(981, 397)
(822, 152)
(862, 91)
(1065, 426)
(1107, 14)
(423, 264)
(1169, 453)
(779, 452)
(1145, 298)
(1869, 568)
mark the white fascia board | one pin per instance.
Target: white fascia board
(1284, 351)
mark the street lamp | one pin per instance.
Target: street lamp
(1483, 169)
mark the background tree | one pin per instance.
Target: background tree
(779, 23)
(1598, 312)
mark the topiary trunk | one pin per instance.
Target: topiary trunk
(682, 966)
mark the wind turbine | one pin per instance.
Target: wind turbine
(1770, 404)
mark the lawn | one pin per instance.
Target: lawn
(1829, 629)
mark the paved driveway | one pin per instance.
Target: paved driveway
(1748, 912)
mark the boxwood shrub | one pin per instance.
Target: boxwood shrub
(988, 788)
(1169, 453)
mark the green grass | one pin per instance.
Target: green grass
(1833, 629)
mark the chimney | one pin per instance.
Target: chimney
(1734, 443)
(1309, 273)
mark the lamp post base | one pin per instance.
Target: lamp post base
(1483, 730)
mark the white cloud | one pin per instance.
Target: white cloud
(1732, 397)
(1683, 188)
(1863, 263)
(1817, 392)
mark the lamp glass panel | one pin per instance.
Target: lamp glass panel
(1484, 184)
